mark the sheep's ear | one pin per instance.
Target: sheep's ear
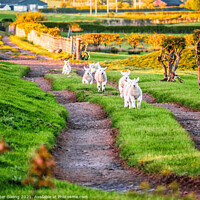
(104, 68)
(128, 73)
(137, 80)
(84, 68)
(122, 73)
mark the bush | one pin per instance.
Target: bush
(30, 17)
(114, 50)
(133, 51)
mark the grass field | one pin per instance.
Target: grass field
(30, 117)
(69, 17)
(149, 138)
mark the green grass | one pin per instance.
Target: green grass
(150, 138)
(69, 17)
(98, 57)
(30, 117)
(7, 15)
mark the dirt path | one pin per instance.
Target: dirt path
(6, 40)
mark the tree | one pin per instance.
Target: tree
(133, 39)
(192, 4)
(172, 47)
(196, 38)
(148, 4)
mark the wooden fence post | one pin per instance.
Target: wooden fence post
(78, 50)
(71, 45)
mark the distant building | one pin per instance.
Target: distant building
(23, 5)
(168, 2)
(5, 7)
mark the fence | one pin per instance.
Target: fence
(51, 43)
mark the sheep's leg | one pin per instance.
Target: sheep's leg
(121, 92)
(126, 102)
(139, 102)
(103, 86)
(83, 81)
(133, 102)
(91, 82)
(98, 86)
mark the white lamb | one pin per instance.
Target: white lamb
(122, 81)
(94, 66)
(66, 68)
(132, 92)
(101, 78)
(87, 77)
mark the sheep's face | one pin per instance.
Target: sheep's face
(102, 70)
(87, 71)
(125, 75)
(134, 83)
(66, 62)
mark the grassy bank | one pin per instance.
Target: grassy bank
(149, 61)
(150, 138)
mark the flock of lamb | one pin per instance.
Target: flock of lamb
(129, 89)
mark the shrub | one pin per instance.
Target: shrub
(114, 50)
(30, 17)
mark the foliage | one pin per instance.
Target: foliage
(133, 39)
(30, 17)
(189, 39)
(192, 4)
(28, 27)
(41, 169)
(99, 38)
(173, 43)
(3, 147)
(154, 40)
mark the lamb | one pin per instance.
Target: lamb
(101, 78)
(122, 81)
(87, 77)
(66, 68)
(132, 92)
(93, 67)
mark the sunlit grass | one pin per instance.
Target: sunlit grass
(150, 138)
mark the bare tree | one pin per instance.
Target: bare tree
(135, 4)
(95, 7)
(116, 6)
(90, 7)
(196, 38)
(172, 48)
